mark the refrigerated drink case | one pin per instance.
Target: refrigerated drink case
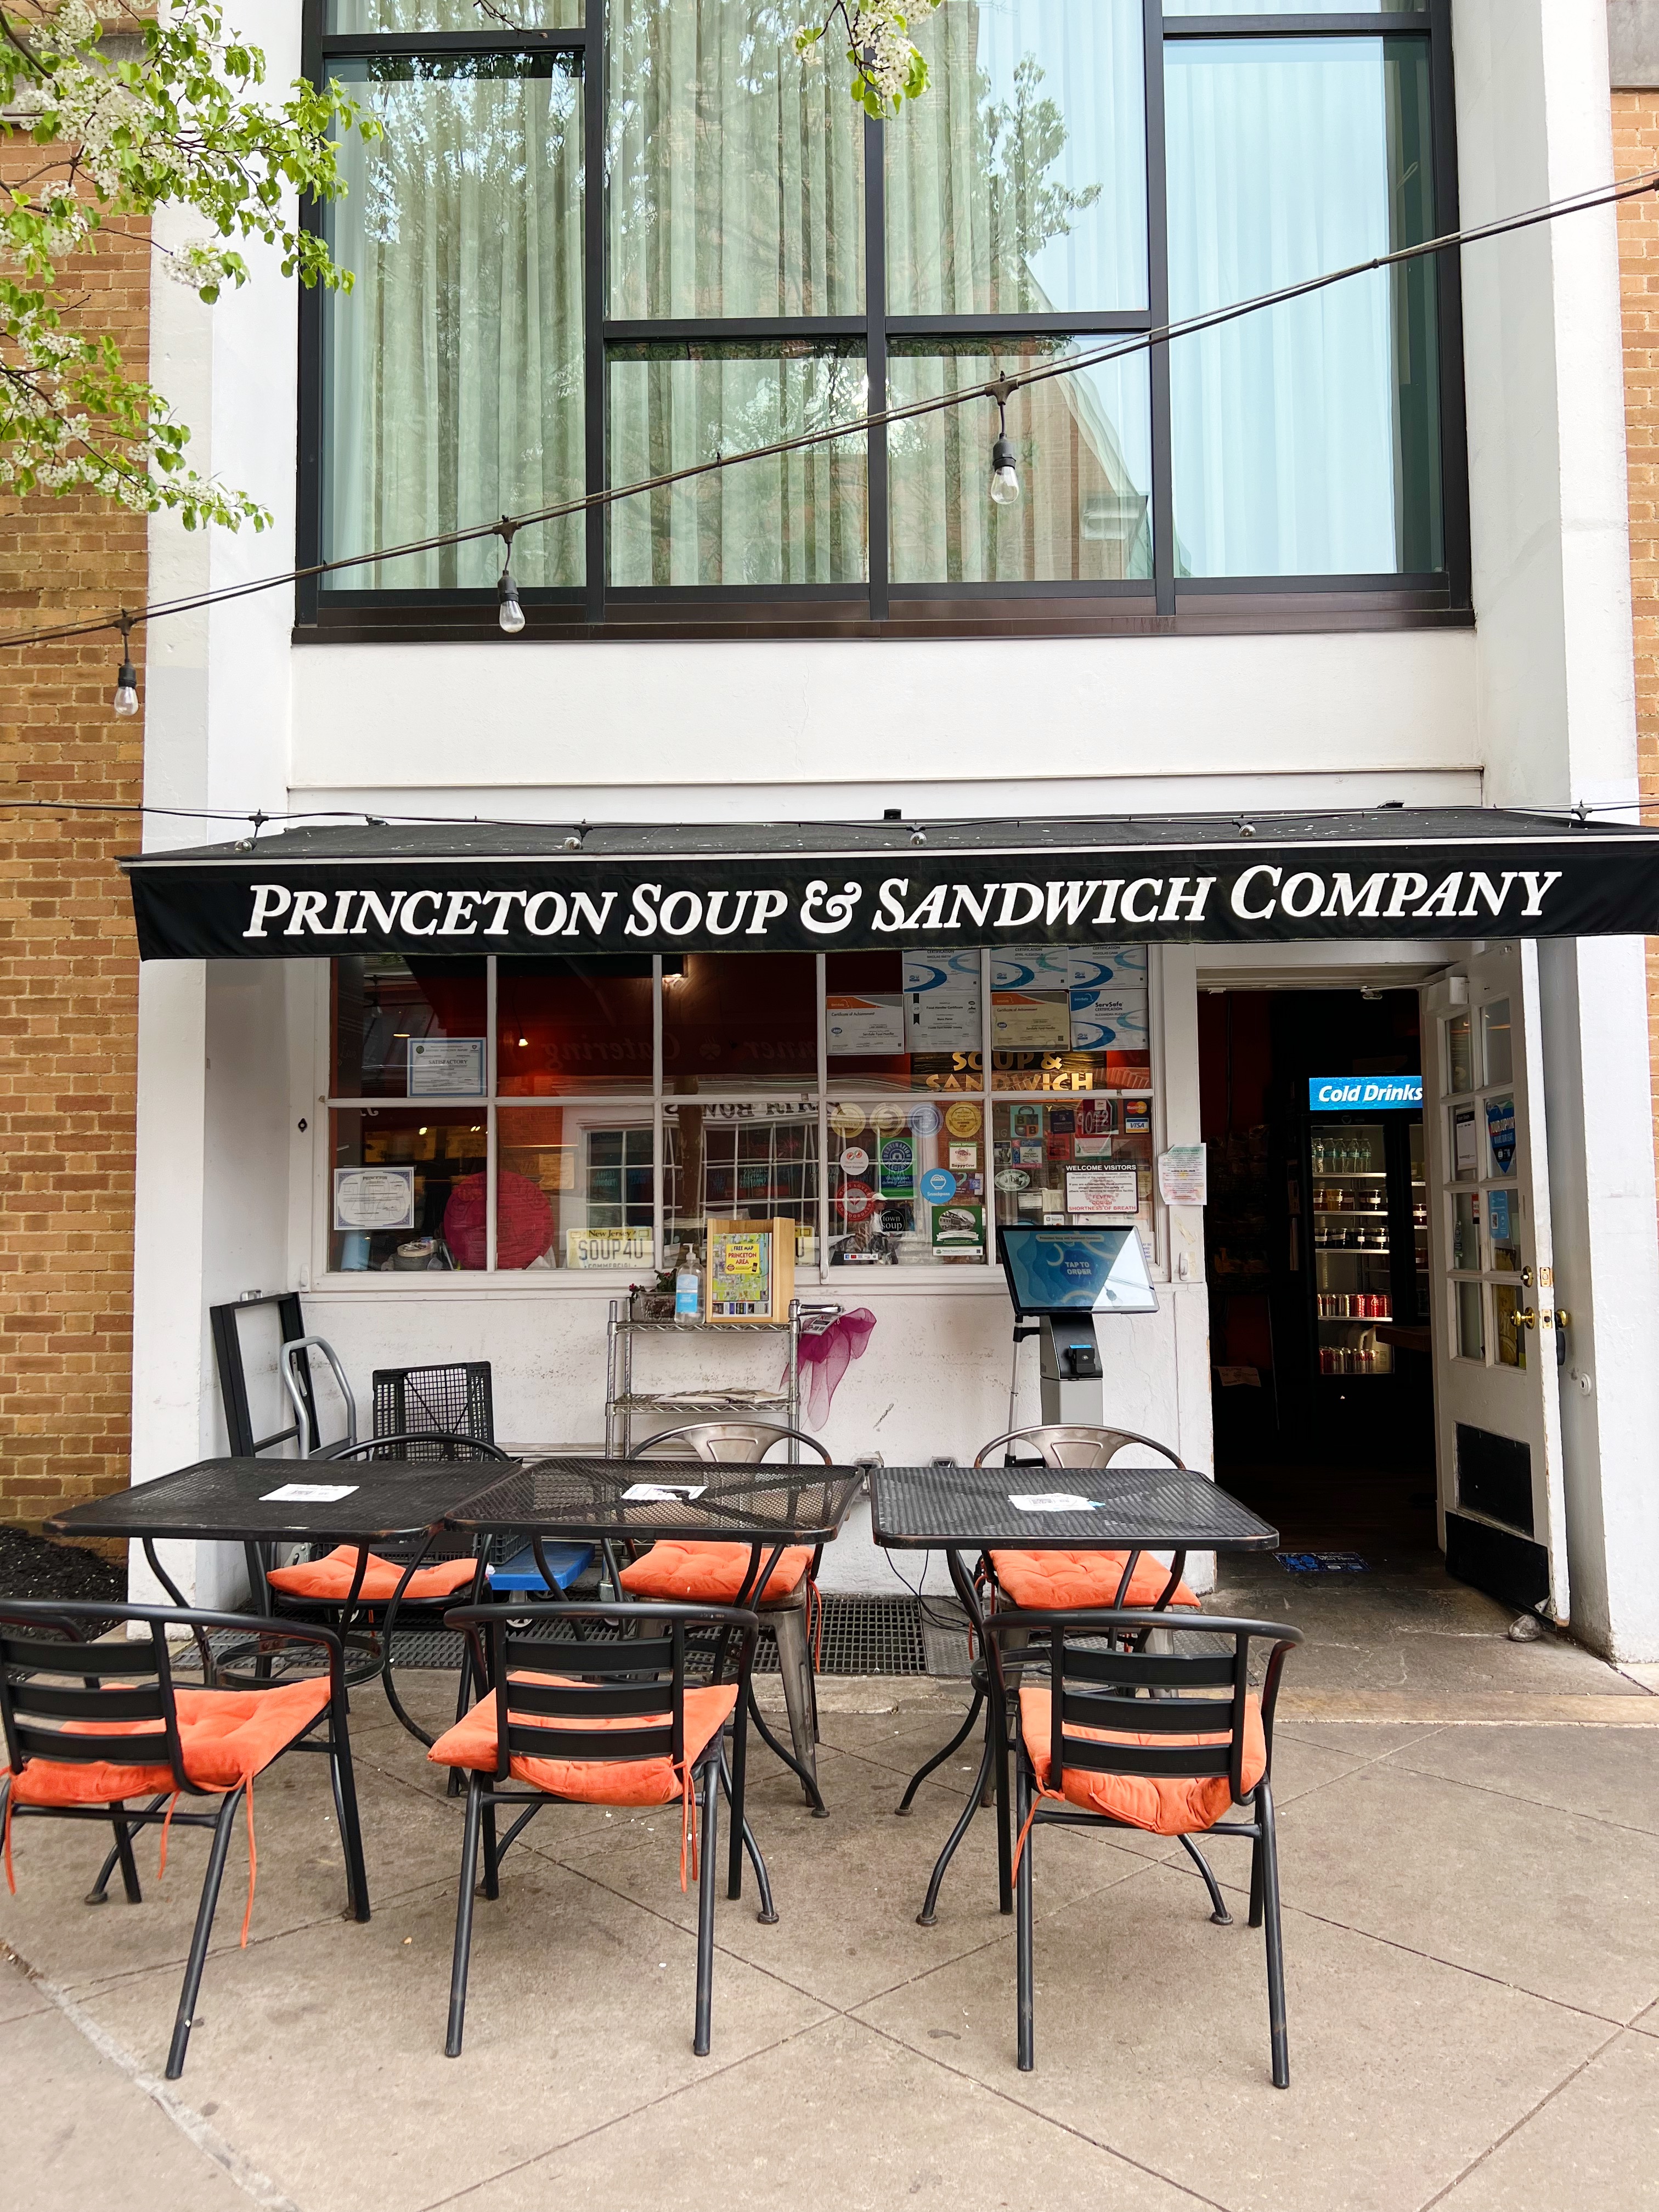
(1368, 1239)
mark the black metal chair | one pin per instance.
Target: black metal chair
(364, 1594)
(715, 1573)
(417, 1403)
(575, 1711)
(1076, 1578)
(1164, 1742)
(88, 1725)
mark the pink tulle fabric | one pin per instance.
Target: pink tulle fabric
(828, 1354)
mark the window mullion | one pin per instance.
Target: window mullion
(491, 1133)
(658, 1124)
(594, 289)
(1157, 276)
(875, 345)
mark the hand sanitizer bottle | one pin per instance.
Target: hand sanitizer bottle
(688, 1290)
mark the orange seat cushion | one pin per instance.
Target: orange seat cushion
(227, 1737)
(471, 1742)
(710, 1574)
(1052, 1582)
(329, 1580)
(1163, 1805)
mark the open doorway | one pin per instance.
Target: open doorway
(1317, 1258)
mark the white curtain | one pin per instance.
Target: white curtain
(1018, 183)
(1283, 164)
(454, 373)
(736, 183)
(1085, 448)
(353, 17)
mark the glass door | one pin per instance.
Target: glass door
(1494, 1327)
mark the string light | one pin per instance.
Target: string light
(125, 702)
(1625, 188)
(1005, 461)
(511, 616)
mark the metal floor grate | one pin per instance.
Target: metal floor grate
(861, 1636)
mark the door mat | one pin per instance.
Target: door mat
(1322, 1563)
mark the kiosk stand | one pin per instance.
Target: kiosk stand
(1059, 1279)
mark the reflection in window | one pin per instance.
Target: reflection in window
(1085, 468)
(736, 167)
(385, 1006)
(572, 1025)
(1018, 184)
(740, 1162)
(573, 1189)
(741, 1020)
(800, 518)
(452, 381)
(1306, 437)
(407, 1189)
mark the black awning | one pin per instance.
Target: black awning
(467, 888)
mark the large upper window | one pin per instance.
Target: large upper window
(603, 241)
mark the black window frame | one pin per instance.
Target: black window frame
(1166, 604)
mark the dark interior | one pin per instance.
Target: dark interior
(1341, 1461)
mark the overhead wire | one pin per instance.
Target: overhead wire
(998, 389)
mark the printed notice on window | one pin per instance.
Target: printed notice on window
(447, 1067)
(374, 1198)
(309, 1493)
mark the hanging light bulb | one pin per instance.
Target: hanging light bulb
(511, 614)
(125, 700)
(1005, 470)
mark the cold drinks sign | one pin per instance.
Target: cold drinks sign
(1362, 1094)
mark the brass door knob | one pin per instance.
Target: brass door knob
(1527, 1318)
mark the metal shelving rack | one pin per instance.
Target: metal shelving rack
(622, 1401)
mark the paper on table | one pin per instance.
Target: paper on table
(309, 1493)
(662, 1493)
(1051, 1501)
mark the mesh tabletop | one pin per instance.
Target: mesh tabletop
(230, 1498)
(969, 1509)
(584, 1498)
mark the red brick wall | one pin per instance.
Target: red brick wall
(1635, 148)
(67, 970)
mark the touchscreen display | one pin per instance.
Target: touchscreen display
(1054, 1271)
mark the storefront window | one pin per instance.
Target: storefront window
(567, 1026)
(741, 1021)
(574, 1188)
(407, 1193)
(409, 1029)
(1067, 1018)
(1084, 1163)
(740, 1162)
(907, 1183)
(842, 1093)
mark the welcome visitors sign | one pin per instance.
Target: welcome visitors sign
(473, 888)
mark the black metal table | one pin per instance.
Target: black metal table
(966, 1511)
(588, 1501)
(237, 1501)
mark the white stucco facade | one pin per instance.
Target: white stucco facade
(1534, 705)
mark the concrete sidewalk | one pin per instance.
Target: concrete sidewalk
(1473, 1958)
